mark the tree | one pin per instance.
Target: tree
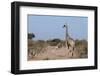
(31, 35)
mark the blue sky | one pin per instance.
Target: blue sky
(50, 27)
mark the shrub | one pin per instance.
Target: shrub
(53, 42)
(82, 46)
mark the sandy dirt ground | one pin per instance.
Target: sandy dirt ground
(52, 53)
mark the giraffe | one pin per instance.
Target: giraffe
(69, 42)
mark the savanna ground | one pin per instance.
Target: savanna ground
(51, 50)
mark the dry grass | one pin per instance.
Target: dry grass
(82, 47)
(47, 50)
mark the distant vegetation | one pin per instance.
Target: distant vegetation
(31, 35)
(54, 42)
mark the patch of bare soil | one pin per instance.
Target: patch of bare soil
(53, 53)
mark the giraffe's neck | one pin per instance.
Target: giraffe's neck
(67, 35)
